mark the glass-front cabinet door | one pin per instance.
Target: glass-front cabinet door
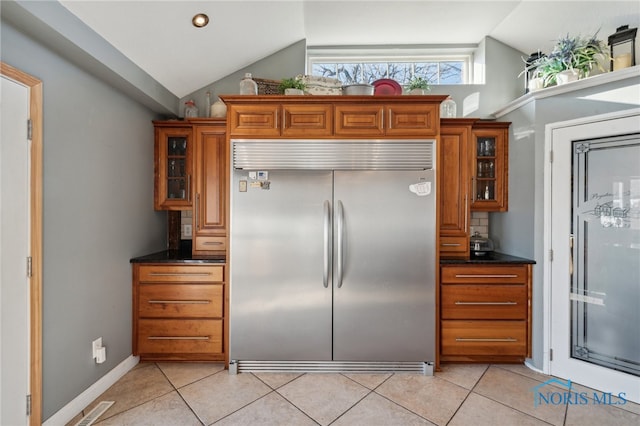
(490, 166)
(173, 166)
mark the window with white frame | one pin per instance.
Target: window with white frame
(366, 65)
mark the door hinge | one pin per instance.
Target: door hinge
(28, 405)
(29, 129)
(550, 354)
(551, 156)
(550, 255)
(29, 266)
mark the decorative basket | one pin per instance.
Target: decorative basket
(267, 87)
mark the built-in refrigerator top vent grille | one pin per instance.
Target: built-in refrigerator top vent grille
(313, 154)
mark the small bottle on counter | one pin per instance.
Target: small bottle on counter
(190, 109)
(448, 108)
(248, 86)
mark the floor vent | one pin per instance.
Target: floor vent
(236, 366)
(94, 414)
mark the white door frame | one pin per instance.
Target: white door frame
(548, 217)
(35, 243)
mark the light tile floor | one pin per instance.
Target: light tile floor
(205, 394)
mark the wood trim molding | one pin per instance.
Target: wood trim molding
(35, 114)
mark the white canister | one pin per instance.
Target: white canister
(218, 109)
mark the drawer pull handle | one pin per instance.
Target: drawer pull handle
(180, 274)
(485, 303)
(212, 243)
(178, 338)
(464, 339)
(450, 244)
(486, 275)
(186, 302)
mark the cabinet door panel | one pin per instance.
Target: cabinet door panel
(490, 167)
(453, 189)
(210, 205)
(307, 120)
(359, 120)
(173, 153)
(254, 120)
(412, 120)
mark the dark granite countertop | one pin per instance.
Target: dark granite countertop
(183, 255)
(492, 257)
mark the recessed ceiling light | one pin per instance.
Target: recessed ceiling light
(200, 20)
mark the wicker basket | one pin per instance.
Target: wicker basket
(267, 87)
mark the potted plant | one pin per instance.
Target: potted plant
(572, 58)
(292, 86)
(418, 86)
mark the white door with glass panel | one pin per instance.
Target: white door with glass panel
(595, 238)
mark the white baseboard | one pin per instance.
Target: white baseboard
(79, 403)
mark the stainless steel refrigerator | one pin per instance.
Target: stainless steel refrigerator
(332, 252)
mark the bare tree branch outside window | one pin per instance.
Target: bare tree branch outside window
(438, 72)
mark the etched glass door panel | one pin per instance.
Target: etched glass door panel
(605, 264)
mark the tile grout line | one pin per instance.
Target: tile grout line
(503, 404)
(180, 395)
(290, 402)
(469, 393)
(398, 404)
(143, 403)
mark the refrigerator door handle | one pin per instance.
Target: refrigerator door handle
(339, 249)
(327, 243)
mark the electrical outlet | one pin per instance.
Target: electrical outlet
(187, 231)
(96, 344)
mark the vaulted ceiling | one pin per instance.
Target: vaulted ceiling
(159, 38)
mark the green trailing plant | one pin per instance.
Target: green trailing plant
(418, 83)
(291, 83)
(571, 53)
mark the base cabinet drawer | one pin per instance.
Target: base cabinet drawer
(178, 273)
(180, 300)
(479, 274)
(484, 338)
(484, 302)
(167, 336)
(454, 246)
(210, 244)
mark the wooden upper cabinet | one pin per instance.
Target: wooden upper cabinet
(254, 119)
(173, 152)
(307, 120)
(387, 120)
(454, 181)
(288, 120)
(388, 117)
(412, 120)
(358, 120)
(210, 191)
(490, 166)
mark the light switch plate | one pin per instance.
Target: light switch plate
(188, 231)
